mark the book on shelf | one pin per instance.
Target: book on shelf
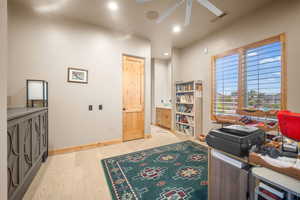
(261, 198)
(189, 120)
(269, 194)
(185, 108)
(186, 98)
(272, 191)
(185, 87)
(199, 87)
(189, 131)
(185, 129)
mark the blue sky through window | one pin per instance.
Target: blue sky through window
(261, 76)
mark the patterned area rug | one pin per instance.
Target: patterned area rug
(172, 172)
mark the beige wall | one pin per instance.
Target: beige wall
(43, 48)
(162, 81)
(279, 17)
(3, 119)
(175, 66)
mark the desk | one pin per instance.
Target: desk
(256, 160)
(228, 176)
(220, 173)
(291, 185)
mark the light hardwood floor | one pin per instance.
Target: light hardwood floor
(79, 175)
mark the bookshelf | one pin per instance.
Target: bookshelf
(188, 108)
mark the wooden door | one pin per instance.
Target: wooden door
(133, 98)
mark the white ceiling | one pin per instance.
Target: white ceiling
(131, 19)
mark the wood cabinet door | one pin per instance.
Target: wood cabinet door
(227, 182)
(167, 117)
(14, 149)
(44, 132)
(158, 116)
(26, 138)
(133, 98)
(163, 117)
(36, 138)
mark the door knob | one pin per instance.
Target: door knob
(124, 109)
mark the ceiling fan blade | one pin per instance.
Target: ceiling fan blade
(211, 7)
(218, 18)
(188, 13)
(169, 11)
(143, 1)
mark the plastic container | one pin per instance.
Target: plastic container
(289, 124)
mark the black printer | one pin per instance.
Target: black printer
(236, 139)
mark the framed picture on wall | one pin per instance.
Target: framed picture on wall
(76, 75)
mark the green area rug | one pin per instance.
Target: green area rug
(172, 172)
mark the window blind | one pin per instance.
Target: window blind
(251, 77)
(226, 85)
(262, 77)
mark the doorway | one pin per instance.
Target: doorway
(133, 98)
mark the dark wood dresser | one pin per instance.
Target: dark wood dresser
(27, 147)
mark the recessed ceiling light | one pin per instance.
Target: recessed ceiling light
(113, 5)
(166, 54)
(176, 29)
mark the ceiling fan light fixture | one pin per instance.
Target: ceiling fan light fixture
(152, 15)
(188, 14)
(176, 29)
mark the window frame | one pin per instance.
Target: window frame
(241, 85)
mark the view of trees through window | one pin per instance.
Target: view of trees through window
(259, 80)
(227, 69)
(263, 77)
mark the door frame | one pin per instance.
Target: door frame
(122, 86)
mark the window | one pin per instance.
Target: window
(252, 77)
(262, 75)
(227, 69)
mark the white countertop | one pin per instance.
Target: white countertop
(279, 179)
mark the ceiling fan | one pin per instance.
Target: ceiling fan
(189, 4)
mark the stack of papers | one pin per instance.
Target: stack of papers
(283, 162)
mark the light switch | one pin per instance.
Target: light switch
(90, 107)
